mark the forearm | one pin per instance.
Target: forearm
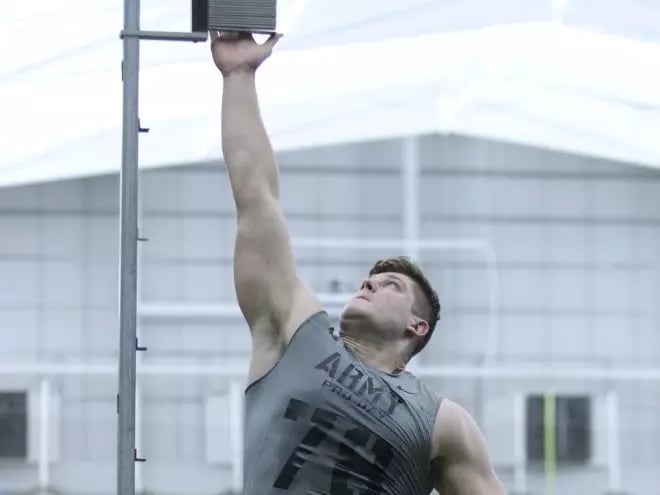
(246, 147)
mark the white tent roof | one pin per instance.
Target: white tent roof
(580, 76)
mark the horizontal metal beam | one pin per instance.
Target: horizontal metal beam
(510, 373)
(363, 244)
(165, 36)
(178, 310)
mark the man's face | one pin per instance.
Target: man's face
(383, 304)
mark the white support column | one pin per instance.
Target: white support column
(613, 447)
(493, 342)
(519, 445)
(236, 434)
(410, 179)
(44, 434)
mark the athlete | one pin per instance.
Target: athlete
(327, 413)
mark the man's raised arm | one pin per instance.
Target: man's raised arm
(270, 294)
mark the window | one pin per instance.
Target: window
(13, 425)
(572, 429)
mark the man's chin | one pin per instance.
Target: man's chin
(355, 306)
(356, 310)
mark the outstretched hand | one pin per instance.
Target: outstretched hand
(239, 52)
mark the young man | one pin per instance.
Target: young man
(326, 414)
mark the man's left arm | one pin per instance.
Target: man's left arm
(461, 463)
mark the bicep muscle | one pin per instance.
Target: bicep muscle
(269, 292)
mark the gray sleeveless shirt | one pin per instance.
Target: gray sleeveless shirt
(321, 422)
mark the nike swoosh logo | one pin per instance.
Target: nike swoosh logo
(406, 391)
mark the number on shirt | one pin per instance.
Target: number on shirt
(363, 456)
(322, 422)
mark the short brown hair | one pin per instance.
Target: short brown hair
(427, 304)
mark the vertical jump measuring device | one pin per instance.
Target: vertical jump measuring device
(257, 16)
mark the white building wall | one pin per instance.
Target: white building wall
(576, 240)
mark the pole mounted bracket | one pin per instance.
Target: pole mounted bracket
(136, 458)
(252, 16)
(138, 347)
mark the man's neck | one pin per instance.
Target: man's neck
(376, 356)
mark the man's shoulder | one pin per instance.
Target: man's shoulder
(454, 427)
(461, 462)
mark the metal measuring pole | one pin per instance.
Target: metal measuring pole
(258, 16)
(128, 239)
(128, 345)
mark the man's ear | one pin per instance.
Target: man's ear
(418, 326)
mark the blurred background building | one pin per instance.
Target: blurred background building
(512, 147)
